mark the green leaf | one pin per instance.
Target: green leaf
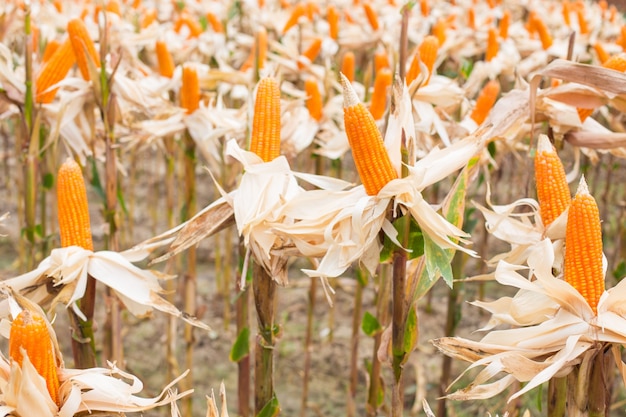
(620, 271)
(370, 324)
(467, 66)
(438, 261)
(415, 240)
(120, 199)
(271, 409)
(95, 180)
(204, 23)
(48, 181)
(241, 347)
(411, 331)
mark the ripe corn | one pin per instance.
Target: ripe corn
(195, 29)
(258, 51)
(425, 8)
(29, 333)
(505, 22)
(314, 98)
(72, 207)
(83, 46)
(347, 65)
(148, 18)
(190, 90)
(566, 10)
(113, 6)
(582, 23)
(265, 136)
(583, 247)
(492, 45)
(381, 60)
(485, 101)
(54, 71)
(371, 15)
(544, 33)
(332, 16)
(215, 22)
(439, 30)
(165, 60)
(471, 18)
(368, 150)
(552, 190)
(51, 48)
(311, 53)
(312, 10)
(427, 54)
(602, 54)
(617, 63)
(298, 11)
(379, 96)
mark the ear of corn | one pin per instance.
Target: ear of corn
(381, 60)
(83, 46)
(425, 8)
(51, 48)
(583, 247)
(439, 30)
(379, 96)
(485, 101)
(298, 11)
(505, 22)
(347, 65)
(566, 10)
(258, 51)
(190, 90)
(265, 136)
(582, 23)
(371, 15)
(471, 18)
(552, 190)
(602, 54)
(113, 6)
(165, 60)
(29, 333)
(72, 207)
(54, 71)
(492, 45)
(195, 29)
(427, 54)
(311, 53)
(368, 150)
(215, 22)
(544, 33)
(332, 16)
(148, 18)
(314, 98)
(617, 63)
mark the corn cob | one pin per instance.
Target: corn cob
(165, 60)
(485, 101)
(348, 16)
(72, 207)
(492, 45)
(379, 96)
(148, 18)
(372, 18)
(612, 13)
(332, 16)
(425, 8)
(58, 5)
(617, 63)
(29, 333)
(195, 29)
(439, 30)
(602, 54)
(542, 30)
(314, 98)
(504, 24)
(312, 10)
(51, 48)
(83, 46)
(368, 150)
(113, 6)
(381, 60)
(265, 135)
(583, 247)
(190, 90)
(54, 71)
(347, 65)
(215, 22)
(566, 10)
(136, 4)
(311, 53)
(552, 190)
(582, 23)
(427, 54)
(298, 11)
(471, 18)
(258, 51)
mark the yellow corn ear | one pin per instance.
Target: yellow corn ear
(505, 22)
(602, 54)
(54, 71)
(190, 90)
(492, 45)
(148, 18)
(379, 96)
(51, 48)
(542, 30)
(381, 60)
(368, 150)
(165, 60)
(427, 54)
(314, 98)
(582, 23)
(29, 333)
(485, 101)
(72, 207)
(299, 10)
(425, 8)
(265, 136)
(471, 18)
(583, 247)
(83, 46)
(566, 10)
(311, 53)
(615, 62)
(332, 16)
(552, 190)
(215, 22)
(371, 15)
(347, 65)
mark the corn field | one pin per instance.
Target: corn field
(313, 208)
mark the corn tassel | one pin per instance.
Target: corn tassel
(83, 46)
(190, 90)
(314, 98)
(372, 18)
(379, 96)
(29, 333)
(347, 65)
(485, 101)
(165, 60)
(298, 11)
(368, 150)
(72, 207)
(583, 247)
(552, 190)
(54, 71)
(332, 16)
(492, 45)
(311, 53)
(505, 22)
(617, 63)
(265, 136)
